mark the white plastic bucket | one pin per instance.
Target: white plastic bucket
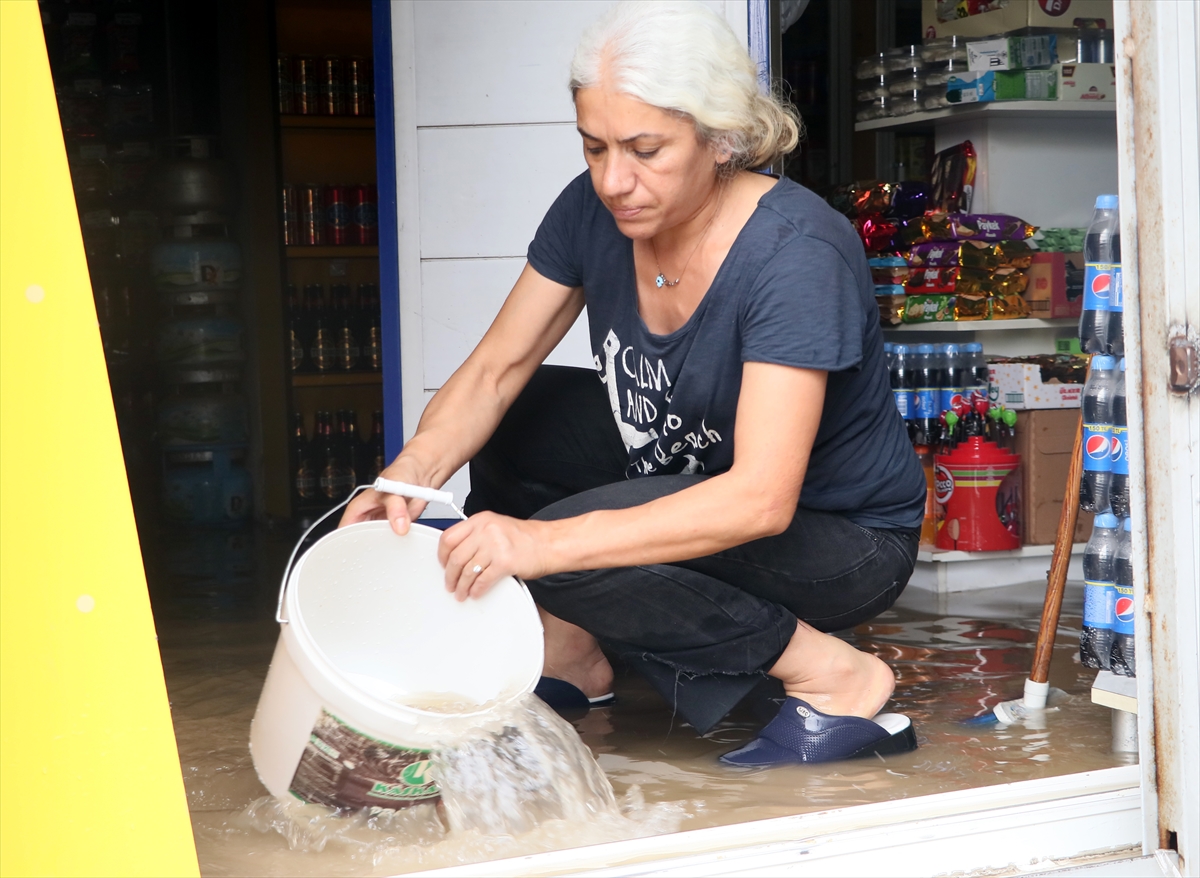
(369, 633)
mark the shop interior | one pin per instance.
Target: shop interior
(224, 161)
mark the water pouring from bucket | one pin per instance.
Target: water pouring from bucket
(382, 684)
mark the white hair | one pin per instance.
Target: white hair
(682, 57)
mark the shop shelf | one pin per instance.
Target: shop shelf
(337, 379)
(356, 122)
(982, 325)
(345, 251)
(993, 110)
(943, 571)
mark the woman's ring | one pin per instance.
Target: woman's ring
(476, 569)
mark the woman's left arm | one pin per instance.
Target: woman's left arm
(779, 410)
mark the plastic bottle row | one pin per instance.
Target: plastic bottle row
(1106, 641)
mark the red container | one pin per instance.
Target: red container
(337, 216)
(312, 217)
(978, 487)
(364, 215)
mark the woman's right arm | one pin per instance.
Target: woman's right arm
(465, 412)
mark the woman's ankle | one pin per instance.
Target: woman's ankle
(833, 676)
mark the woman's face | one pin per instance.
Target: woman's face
(647, 165)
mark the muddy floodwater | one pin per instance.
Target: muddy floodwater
(954, 658)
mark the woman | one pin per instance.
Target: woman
(738, 481)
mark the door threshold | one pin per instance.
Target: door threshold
(1015, 826)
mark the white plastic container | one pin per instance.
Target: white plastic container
(370, 639)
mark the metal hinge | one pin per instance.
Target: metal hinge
(1183, 358)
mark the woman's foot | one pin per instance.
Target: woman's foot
(833, 676)
(574, 655)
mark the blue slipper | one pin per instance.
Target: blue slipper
(801, 733)
(563, 697)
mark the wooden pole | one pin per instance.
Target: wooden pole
(1061, 560)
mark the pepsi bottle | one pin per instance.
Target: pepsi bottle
(1098, 276)
(1099, 592)
(1118, 488)
(925, 395)
(1121, 658)
(952, 381)
(887, 354)
(1096, 480)
(975, 373)
(902, 381)
(1116, 308)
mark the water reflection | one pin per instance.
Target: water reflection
(955, 658)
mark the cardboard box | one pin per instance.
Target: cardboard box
(1020, 386)
(1047, 293)
(1003, 85)
(1013, 53)
(985, 18)
(1044, 441)
(1087, 82)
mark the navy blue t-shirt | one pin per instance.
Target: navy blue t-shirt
(795, 290)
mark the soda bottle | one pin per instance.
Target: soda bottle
(1097, 435)
(370, 335)
(925, 395)
(375, 449)
(975, 373)
(346, 329)
(1098, 276)
(1118, 489)
(322, 349)
(350, 450)
(330, 472)
(1121, 658)
(1116, 311)
(952, 381)
(297, 333)
(888, 350)
(1099, 592)
(304, 475)
(901, 375)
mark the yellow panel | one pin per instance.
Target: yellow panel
(91, 783)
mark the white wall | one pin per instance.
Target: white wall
(485, 140)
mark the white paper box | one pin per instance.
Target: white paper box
(1019, 386)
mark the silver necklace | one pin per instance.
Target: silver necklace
(661, 280)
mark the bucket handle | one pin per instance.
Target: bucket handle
(383, 486)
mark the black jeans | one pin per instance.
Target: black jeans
(703, 631)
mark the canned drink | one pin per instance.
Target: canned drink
(364, 215)
(291, 216)
(304, 86)
(312, 216)
(332, 94)
(359, 87)
(283, 75)
(337, 215)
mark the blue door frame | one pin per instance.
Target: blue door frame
(389, 249)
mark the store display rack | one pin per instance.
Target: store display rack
(1023, 323)
(345, 379)
(326, 121)
(945, 571)
(993, 109)
(339, 251)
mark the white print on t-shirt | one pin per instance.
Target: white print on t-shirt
(639, 409)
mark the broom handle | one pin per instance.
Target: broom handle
(1063, 541)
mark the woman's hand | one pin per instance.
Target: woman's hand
(479, 552)
(400, 511)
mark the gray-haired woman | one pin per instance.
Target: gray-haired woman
(738, 480)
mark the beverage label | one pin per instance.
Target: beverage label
(337, 215)
(948, 397)
(306, 483)
(1099, 604)
(297, 350)
(1119, 451)
(1118, 285)
(1098, 286)
(925, 402)
(904, 403)
(1097, 448)
(1123, 609)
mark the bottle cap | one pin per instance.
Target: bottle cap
(900, 349)
(1103, 363)
(1106, 202)
(924, 349)
(973, 347)
(888, 347)
(952, 349)
(1121, 365)
(1107, 519)
(1128, 525)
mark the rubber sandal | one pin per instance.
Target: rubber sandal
(802, 734)
(564, 698)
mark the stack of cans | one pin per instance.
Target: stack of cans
(327, 86)
(330, 214)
